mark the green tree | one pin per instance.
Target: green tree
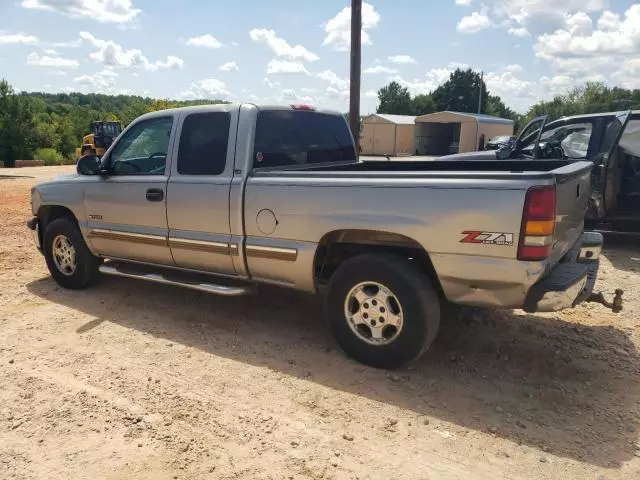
(460, 92)
(67, 139)
(423, 104)
(17, 126)
(395, 99)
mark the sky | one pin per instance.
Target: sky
(297, 51)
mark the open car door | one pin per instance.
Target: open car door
(607, 169)
(528, 139)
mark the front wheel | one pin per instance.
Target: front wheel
(70, 262)
(382, 310)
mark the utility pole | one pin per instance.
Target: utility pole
(356, 61)
(480, 94)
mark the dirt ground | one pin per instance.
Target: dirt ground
(130, 380)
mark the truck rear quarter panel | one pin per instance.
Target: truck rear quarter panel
(440, 214)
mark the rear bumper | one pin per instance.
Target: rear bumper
(571, 281)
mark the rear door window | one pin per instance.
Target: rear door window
(291, 138)
(203, 143)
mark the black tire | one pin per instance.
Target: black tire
(414, 292)
(86, 269)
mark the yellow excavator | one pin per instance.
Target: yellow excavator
(102, 135)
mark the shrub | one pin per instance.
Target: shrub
(49, 156)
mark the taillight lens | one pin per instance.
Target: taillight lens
(538, 223)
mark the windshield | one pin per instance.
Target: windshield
(566, 141)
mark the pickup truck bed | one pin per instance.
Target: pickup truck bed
(275, 195)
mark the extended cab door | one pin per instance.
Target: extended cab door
(126, 209)
(609, 154)
(198, 190)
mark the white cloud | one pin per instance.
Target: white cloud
(514, 68)
(379, 69)
(210, 88)
(402, 59)
(463, 2)
(333, 79)
(371, 94)
(609, 21)
(579, 39)
(57, 73)
(338, 29)
(35, 60)
(50, 51)
(229, 67)
(280, 47)
(72, 44)
(111, 54)
(579, 52)
(432, 79)
(206, 41)
(534, 16)
(628, 75)
(474, 23)
(104, 11)
(281, 95)
(101, 82)
(518, 32)
(285, 66)
(17, 39)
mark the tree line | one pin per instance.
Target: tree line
(52, 125)
(35, 124)
(461, 93)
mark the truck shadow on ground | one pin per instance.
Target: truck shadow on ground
(566, 388)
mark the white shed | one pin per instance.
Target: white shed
(442, 133)
(383, 134)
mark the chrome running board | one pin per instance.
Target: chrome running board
(194, 282)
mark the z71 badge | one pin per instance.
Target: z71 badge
(487, 238)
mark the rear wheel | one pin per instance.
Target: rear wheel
(382, 310)
(70, 262)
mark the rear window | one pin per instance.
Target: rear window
(289, 138)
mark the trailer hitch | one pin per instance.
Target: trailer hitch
(615, 306)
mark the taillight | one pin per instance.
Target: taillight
(300, 106)
(538, 223)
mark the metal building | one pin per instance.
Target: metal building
(443, 133)
(383, 134)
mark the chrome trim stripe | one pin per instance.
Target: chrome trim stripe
(202, 245)
(275, 253)
(234, 249)
(128, 236)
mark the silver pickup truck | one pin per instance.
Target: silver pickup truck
(222, 198)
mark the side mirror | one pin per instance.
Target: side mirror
(89, 165)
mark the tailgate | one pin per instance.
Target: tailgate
(573, 188)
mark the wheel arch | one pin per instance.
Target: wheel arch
(338, 246)
(49, 213)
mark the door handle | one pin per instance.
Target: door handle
(155, 194)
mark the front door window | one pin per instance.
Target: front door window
(142, 150)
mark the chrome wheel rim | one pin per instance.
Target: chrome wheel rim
(64, 255)
(374, 313)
